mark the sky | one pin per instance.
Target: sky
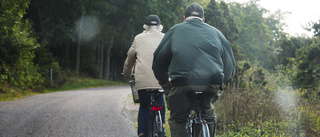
(302, 12)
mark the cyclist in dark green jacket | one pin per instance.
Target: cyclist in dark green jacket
(192, 56)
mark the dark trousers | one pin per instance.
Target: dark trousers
(181, 103)
(143, 115)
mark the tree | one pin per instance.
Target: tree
(308, 67)
(71, 27)
(68, 30)
(256, 33)
(307, 61)
(17, 45)
(54, 21)
(219, 16)
(289, 46)
(274, 22)
(315, 27)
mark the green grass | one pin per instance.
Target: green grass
(82, 82)
(71, 83)
(167, 126)
(13, 95)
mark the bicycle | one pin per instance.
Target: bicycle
(197, 123)
(155, 126)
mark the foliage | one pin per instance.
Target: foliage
(263, 129)
(219, 16)
(288, 46)
(94, 71)
(17, 48)
(308, 73)
(79, 82)
(274, 21)
(14, 94)
(302, 67)
(250, 76)
(47, 63)
(242, 67)
(257, 33)
(91, 35)
(203, 3)
(315, 27)
(271, 111)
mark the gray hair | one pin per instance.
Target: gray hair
(154, 27)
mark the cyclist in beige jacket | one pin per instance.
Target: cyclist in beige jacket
(140, 55)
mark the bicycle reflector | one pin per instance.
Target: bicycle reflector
(157, 108)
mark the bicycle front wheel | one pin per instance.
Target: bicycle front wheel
(201, 129)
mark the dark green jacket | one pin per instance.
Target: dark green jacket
(193, 53)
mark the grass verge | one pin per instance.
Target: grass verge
(72, 83)
(83, 82)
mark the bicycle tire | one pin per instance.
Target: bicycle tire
(201, 130)
(158, 126)
(150, 125)
(189, 126)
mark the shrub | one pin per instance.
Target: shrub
(93, 71)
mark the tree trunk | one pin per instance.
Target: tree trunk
(68, 55)
(107, 61)
(78, 46)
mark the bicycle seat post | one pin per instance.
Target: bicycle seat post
(198, 107)
(153, 93)
(152, 97)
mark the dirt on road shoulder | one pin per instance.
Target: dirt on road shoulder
(132, 108)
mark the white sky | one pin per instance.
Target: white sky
(302, 12)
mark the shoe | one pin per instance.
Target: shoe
(142, 135)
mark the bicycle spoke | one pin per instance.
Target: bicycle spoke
(189, 127)
(200, 129)
(159, 131)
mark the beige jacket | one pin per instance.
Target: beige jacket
(141, 54)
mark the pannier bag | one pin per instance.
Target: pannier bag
(135, 94)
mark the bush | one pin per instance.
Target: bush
(283, 112)
(267, 106)
(17, 45)
(47, 62)
(93, 71)
(17, 66)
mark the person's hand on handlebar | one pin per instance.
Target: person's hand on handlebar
(166, 87)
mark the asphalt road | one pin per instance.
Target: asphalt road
(94, 112)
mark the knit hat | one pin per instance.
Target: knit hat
(194, 9)
(152, 20)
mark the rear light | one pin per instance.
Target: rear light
(157, 108)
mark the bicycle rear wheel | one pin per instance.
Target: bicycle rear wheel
(201, 129)
(156, 126)
(189, 127)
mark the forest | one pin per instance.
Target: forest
(274, 89)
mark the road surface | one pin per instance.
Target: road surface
(94, 112)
